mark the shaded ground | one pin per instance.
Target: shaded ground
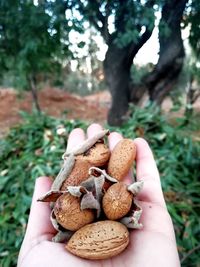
(58, 103)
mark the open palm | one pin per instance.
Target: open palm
(153, 246)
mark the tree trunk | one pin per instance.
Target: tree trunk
(137, 93)
(118, 60)
(164, 76)
(117, 66)
(32, 82)
(117, 75)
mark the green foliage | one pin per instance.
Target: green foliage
(131, 18)
(31, 39)
(26, 153)
(121, 22)
(34, 148)
(193, 21)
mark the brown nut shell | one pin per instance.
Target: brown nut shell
(99, 240)
(68, 213)
(121, 159)
(117, 201)
(98, 155)
(78, 174)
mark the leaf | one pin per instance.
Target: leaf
(135, 188)
(132, 219)
(90, 202)
(62, 236)
(51, 196)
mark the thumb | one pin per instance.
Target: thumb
(39, 225)
(39, 218)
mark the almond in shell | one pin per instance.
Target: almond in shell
(69, 214)
(98, 155)
(117, 201)
(99, 240)
(78, 174)
(121, 159)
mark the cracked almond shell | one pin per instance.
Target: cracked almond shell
(69, 214)
(117, 201)
(121, 159)
(99, 240)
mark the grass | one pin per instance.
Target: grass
(34, 149)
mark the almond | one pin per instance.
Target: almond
(78, 174)
(68, 213)
(117, 201)
(98, 155)
(99, 240)
(122, 158)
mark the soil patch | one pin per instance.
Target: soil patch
(54, 102)
(59, 103)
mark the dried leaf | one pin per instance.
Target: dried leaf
(95, 185)
(99, 182)
(136, 187)
(132, 220)
(64, 172)
(76, 191)
(86, 145)
(89, 183)
(90, 202)
(93, 198)
(62, 236)
(51, 196)
(103, 172)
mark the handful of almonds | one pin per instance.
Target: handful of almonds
(92, 208)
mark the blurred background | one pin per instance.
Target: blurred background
(132, 65)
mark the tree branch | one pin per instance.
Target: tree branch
(135, 47)
(105, 25)
(97, 16)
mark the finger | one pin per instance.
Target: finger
(39, 225)
(93, 129)
(113, 139)
(77, 136)
(39, 218)
(146, 170)
(146, 165)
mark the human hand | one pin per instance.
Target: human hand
(153, 246)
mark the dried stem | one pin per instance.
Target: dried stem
(64, 172)
(86, 145)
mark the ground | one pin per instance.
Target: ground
(56, 102)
